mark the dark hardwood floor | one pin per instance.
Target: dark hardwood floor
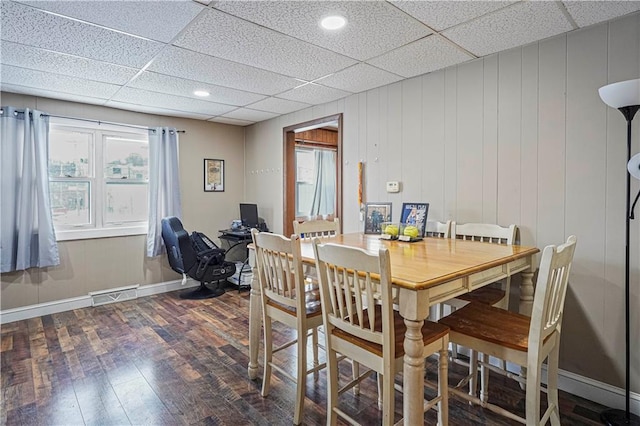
(163, 360)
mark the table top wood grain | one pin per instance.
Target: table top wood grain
(423, 264)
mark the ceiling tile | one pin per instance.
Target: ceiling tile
(420, 57)
(155, 110)
(314, 94)
(591, 12)
(195, 66)
(44, 93)
(440, 15)
(359, 78)
(26, 25)
(233, 121)
(57, 82)
(157, 20)
(182, 87)
(44, 60)
(513, 26)
(219, 34)
(247, 114)
(279, 106)
(162, 100)
(372, 27)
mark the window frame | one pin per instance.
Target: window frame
(98, 228)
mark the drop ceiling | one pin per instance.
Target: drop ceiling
(257, 59)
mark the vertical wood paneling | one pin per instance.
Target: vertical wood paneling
(490, 141)
(351, 210)
(411, 131)
(450, 143)
(529, 152)
(470, 144)
(585, 193)
(373, 142)
(433, 140)
(624, 64)
(394, 138)
(551, 140)
(509, 132)
(384, 144)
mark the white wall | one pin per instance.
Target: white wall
(519, 137)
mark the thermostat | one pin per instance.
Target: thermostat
(393, 186)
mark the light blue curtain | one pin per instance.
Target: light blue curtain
(324, 191)
(27, 235)
(164, 184)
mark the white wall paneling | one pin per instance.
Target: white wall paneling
(517, 137)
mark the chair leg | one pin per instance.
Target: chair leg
(484, 378)
(268, 356)
(388, 393)
(533, 394)
(314, 348)
(443, 386)
(473, 372)
(332, 386)
(552, 385)
(379, 383)
(301, 385)
(355, 373)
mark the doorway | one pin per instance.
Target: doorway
(312, 171)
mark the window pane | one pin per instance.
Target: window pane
(69, 154)
(126, 159)
(70, 203)
(126, 202)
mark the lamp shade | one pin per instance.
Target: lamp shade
(621, 94)
(634, 166)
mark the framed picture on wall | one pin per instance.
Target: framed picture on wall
(415, 214)
(213, 175)
(374, 215)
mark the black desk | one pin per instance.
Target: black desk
(235, 242)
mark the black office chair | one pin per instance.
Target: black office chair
(196, 256)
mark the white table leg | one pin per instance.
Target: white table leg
(527, 291)
(413, 370)
(255, 315)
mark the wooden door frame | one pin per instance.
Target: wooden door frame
(289, 146)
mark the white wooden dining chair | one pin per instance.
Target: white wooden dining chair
(526, 341)
(438, 229)
(316, 228)
(285, 299)
(360, 323)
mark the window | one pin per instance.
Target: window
(98, 180)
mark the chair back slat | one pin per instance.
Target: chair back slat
(485, 232)
(278, 261)
(317, 228)
(352, 283)
(551, 291)
(438, 229)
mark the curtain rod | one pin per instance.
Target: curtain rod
(99, 121)
(106, 122)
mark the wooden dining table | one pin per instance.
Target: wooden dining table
(425, 273)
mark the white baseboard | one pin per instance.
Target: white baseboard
(593, 390)
(48, 308)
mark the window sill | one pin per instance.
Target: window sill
(86, 234)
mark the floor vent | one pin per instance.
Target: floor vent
(113, 295)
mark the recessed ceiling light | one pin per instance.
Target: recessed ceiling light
(333, 22)
(201, 93)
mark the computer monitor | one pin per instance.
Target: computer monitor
(249, 215)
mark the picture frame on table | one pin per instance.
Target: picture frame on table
(415, 214)
(213, 175)
(374, 215)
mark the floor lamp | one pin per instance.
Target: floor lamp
(624, 96)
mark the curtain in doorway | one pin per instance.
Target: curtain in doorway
(164, 184)
(324, 191)
(27, 235)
